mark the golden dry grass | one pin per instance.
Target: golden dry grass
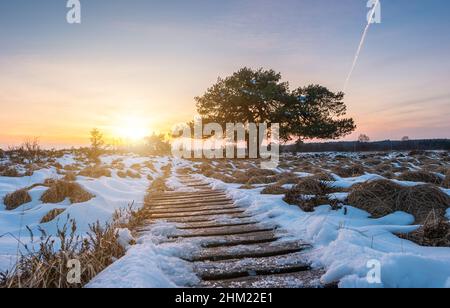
(383, 197)
(310, 193)
(349, 171)
(60, 190)
(47, 267)
(274, 189)
(421, 176)
(96, 171)
(51, 215)
(16, 199)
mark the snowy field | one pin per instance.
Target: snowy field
(109, 194)
(345, 238)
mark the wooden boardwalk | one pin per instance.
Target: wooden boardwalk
(237, 250)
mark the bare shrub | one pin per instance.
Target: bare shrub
(421, 176)
(60, 190)
(51, 215)
(32, 150)
(97, 145)
(16, 199)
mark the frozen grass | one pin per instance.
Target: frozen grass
(421, 176)
(16, 199)
(383, 197)
(47, 267)
(60, 190)
(51, 215)
(96, 171)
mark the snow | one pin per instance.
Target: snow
(146, 266)
(124, 237)
(111, 194)
(345, 241)
(149, 264)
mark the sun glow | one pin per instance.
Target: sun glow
(132, 128)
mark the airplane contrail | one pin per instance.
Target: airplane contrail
(361, 44)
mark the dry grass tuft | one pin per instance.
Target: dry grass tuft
(423, 200)
(350, 171)
(310, 193)
(133, 175)
(48, 266)
(16, 199)
(9, 172)
(129, 173)
(256, 172)
(223, 177)
(136, 167)
(376, 197)
(421, 176)
(158, 185)
(96, 171)
(60, 190)
(74, 167)
(275, 189)
(70, 177)
(263, 179)
(383, 197)
(51, 215)
(247, 186)
(323, 176)
(121, 174)
(434, 233)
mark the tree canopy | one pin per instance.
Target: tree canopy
(260, 96)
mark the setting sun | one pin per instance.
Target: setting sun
(132, 128)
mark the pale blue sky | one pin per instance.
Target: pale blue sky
(152, 57)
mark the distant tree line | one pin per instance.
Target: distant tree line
(358, 146)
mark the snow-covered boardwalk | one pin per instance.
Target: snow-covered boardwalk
(236, 249)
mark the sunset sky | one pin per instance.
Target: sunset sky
(139, 63)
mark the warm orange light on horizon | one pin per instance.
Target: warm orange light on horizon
(132, 128)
